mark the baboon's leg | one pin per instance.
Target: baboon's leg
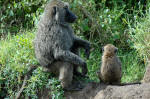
(64, 71)
(66, 74)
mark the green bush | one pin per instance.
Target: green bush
(140, 35)
(18, 14)
(16, 57)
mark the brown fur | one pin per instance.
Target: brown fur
(111, 71)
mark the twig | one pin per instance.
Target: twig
(23, 85)
(25, 81)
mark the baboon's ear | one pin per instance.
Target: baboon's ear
(54, 10)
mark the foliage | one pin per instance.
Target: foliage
(16, 56)
(133, 67)
(18, 14)
(56, 89)
(140, 35)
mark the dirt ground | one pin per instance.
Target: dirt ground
(102, 91)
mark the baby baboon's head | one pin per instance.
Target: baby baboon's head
(60, 12)
(109, 49)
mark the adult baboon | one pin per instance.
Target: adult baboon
(111, 71)
(56, 45)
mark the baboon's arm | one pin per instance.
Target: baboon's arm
(71, 58)
(83, 43)
(68, 57)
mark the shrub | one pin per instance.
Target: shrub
(140, 35)
(16, 57)
(18, 14)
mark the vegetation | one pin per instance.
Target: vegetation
(18, 14)
(122, 23)
(140, 35)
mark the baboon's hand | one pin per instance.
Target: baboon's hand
(87, 50)
(84, 69)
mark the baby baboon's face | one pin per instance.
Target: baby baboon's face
(109, 48)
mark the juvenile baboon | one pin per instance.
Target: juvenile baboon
(146, 78)
(56, 45)
(111, 70)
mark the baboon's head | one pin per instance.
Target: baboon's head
(59, 11)
(109, 49)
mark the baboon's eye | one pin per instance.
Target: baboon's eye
(65, 7)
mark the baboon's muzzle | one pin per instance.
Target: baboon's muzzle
(70, 17)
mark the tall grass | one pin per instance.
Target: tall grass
(16, 56)
(140, 35)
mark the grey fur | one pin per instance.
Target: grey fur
(54, 40)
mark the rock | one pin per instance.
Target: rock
(139, 91)
(102, 91)
(146, 78)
